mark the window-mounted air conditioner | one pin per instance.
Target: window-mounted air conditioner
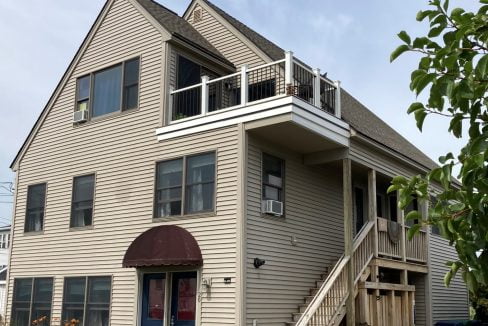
(80, 116)
(273, 207)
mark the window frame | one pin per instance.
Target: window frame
(283, 181)
(122, 88)
(183, 187)
(31, 301)
(85, 298)
(44, 209)
(94, 174)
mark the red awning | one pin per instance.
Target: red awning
(166, 245)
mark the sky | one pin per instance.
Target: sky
(350, 40)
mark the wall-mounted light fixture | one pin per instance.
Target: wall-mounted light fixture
(259, 262)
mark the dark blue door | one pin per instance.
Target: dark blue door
(153, 300)
(183, 299)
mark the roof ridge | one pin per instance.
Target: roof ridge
(271, 49)
(164, 7)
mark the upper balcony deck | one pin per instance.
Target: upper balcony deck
(285, 87)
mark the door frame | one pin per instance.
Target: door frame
(168, 289)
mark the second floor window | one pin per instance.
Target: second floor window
(110, 90)
(36, 201)
(32, 301)
(82, 202)
(185, 185)
(273, 175)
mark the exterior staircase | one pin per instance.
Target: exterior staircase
(326, 304)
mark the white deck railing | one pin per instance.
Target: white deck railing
(286, 77)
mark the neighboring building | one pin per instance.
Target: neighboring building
(187, 171)
(4, 249)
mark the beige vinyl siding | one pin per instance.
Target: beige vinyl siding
(313, 209)
(374, 159)
(452, 302)
(122, 150)
(230, 45)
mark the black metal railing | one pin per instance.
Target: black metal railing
(224, 92)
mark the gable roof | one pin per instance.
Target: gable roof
(269, 48)
(353, 112)
(180, 28)
(169, 20)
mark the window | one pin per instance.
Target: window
(32, 301)
(36, 200)
(198, 193)
(379, 205)
(358, 208)
(4, 240)
(273, 175)
(82, 201)
(87, 299)
(110, 90)
(82, 93)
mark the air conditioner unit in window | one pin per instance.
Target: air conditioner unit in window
(80, 116)
(273, 207)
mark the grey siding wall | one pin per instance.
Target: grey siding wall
(420, 282)
(230, 45)
(452, 302)
(313, 205)
(122, 150)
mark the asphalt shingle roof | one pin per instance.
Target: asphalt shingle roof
(353, 112)
(180, 28)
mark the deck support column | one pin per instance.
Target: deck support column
(401, 221)
(372, 211)
(348, 239)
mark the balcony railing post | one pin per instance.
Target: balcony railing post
(337, 108)
(316, 88)
(288, 69)
(244, 85)
(204, 104)
(171, 103)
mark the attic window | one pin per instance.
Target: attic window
(197, 15)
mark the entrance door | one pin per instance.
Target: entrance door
(184, 299)
(153, 300)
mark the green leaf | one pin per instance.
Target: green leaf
(446, 5)
(448, 278)
(398, 51)
(423, 82)
(412, 215)
(436, 31)
(404, 37)
(420, 117)
(481, 67)
(413, 230)
(414, 107)
(422, 14)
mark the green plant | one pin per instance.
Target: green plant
(453, 69)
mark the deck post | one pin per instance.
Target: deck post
(204, 104)
(288, 68)
(337, 108)
(316, 87)
(348, 239)
(244, 85)
(170, 102)
(372, 207)
(401, 220)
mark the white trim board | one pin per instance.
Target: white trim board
(297, 110)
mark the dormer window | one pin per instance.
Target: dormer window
(110, 90)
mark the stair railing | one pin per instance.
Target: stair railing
(332, 295)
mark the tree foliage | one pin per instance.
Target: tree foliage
(453, 73)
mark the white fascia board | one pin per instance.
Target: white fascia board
(300, 112)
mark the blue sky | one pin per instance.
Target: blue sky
(349, 39)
